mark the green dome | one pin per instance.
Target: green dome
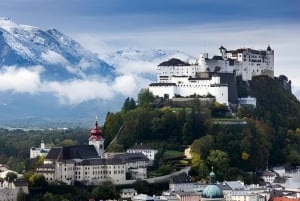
(212, 191)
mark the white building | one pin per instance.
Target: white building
(204, 77)
(145, 149)
(268, 176)
(39, 151)
(128, 193)
(206, 86)
(86, 163)
(248, 62)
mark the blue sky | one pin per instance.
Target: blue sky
(192, 26)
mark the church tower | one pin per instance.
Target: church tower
(96, 139)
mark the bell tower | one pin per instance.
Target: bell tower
(96, 139)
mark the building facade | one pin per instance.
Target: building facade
(147, 150)
(87, 164)
(204, 76)
(39, 151)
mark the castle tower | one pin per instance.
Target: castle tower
(96, 139)
(223, 51)
(270, 61)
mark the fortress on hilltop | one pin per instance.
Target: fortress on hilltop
(214, 76)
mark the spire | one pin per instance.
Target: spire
(96, 124)
(96, 131)
(212, 176)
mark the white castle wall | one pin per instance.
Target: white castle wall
(185, 87)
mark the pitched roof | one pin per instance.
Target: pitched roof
(174, 62)
(72, 152)
(141, 146)
(102, 161)
(217, 58)
(130, 157)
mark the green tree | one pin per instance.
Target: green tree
(48, 197)
(219, 160)
(38, 183)
(11, 176)
(203, 170)
(145, 98)
(129, 104)
(105, 191)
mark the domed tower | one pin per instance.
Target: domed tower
(212, 192)
(96, 139)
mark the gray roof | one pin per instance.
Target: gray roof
(102, 161)
(72, 152)
(174, 62)
(141, 146)
(130, 157)
(217, 58)
(235, 185)
(162, 84)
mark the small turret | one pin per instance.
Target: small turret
(96, 139)
(42, 144)
(223, 51)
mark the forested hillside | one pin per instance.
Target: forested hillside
(270, 137)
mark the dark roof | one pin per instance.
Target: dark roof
(79, 151)
(241, 50)
(102, 161)
(174, 62)
(43, 151)
(141, 146)
(268, 173)
(130, 157)
(72, 152)
(53, 153)
(162, 84)
(217, 58)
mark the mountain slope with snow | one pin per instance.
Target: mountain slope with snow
(45, 74)
(61, 56)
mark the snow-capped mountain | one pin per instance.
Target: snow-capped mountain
(61, 56)
(46, 75)
(142, 61)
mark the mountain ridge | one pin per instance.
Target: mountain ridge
(46, 74)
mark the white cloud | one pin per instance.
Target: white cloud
(20, 80)
(193, 40)
(126, 85)
(78, 91)
(206, 38)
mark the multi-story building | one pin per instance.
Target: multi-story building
(205, 77)
(145, 149)
(248, 62)
(87, 164)
(39, 151)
